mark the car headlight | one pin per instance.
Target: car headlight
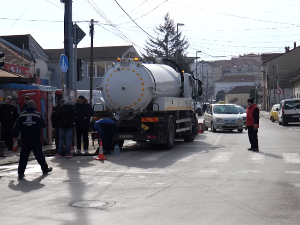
(240, 120)
(219, 120)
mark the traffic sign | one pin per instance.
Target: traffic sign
(63, 62)
(279, 91)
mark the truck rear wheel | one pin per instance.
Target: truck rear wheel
(170, 135)
(190, 135)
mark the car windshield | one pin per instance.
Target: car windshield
(225, 109)
(241, 109)
(292, 104)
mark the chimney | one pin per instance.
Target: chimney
(287, 49)
(295, 45)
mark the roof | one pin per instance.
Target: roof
(237, 78)
(238, 62)
(104, 53)
(10, 77)
(241, 89)
(295, 79)
(281, 54)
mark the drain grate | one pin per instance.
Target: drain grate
(93, 204)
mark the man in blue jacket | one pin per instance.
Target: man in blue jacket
(30, 123)
(106, 128)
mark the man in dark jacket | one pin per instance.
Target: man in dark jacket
(54, 121)
(8, 117)
(106, 128)
(24, 107)
(66, 117)
(30, 123)
(252, 124)
(84, 112)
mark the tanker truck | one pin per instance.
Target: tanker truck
(152, 102)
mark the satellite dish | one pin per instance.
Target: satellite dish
(41, 68)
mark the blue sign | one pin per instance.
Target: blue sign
(63, 62)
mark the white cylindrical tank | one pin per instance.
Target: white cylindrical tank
(130, 84)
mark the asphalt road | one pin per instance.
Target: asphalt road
(213, 180)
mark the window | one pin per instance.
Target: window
(225, 109)
(292, 104)
(99, 69)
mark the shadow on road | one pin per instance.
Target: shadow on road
(26, 186)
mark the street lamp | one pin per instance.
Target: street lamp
(197, 64)
(178, 24)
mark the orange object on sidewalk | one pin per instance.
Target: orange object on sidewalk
(101, 155)
(200, 128)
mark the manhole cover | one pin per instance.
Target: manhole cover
(93, 204)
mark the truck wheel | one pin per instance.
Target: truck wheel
(190, 135)
(170, 136)
(272, 119)
(240, 130)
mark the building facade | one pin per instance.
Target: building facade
(103, 58)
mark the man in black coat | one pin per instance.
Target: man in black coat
(30, 123)
(8, 117)
(66, 117)
(54, 121)
(84, 112)
(24, 107)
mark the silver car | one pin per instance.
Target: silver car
(223, 117)
(243, 112)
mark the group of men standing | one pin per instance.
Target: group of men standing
(63, 118)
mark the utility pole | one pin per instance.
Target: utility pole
(75, 61)
(274, 84)
(207, 98)
(91, 61)
(278, 100)
(68, 45)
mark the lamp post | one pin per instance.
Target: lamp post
(197, 64)
(178, 24)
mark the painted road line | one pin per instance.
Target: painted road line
(222, 157)
(293, 172)
(249, 171)
(218, 139)
(256, 157)
(154, 156)
(209, 171)
(291, 158)
(186, 157)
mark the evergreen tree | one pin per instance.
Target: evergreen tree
(165, 45)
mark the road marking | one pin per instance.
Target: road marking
(154, 156)
(209, 171)
(292, 172)
(222, 157)
(249, 171)
(291, 158)
(218, 139)
(186, 157)
(256, 157)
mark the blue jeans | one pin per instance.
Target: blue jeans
(65, 135)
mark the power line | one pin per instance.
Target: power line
(147, 12)
(232, 15)
(20, 16)
(133, 9)
(133, 20)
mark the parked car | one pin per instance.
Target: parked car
(289, 111)
(242, 111)
(199, 108)
(274, 112)
(223, 117)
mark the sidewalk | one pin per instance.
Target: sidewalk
(265, 114)
(12, 157)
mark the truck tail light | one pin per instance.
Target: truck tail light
(150, 136)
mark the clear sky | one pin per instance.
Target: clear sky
(219, 28)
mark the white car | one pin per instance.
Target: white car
(223, 117)
(289, 111)
(242, 111)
